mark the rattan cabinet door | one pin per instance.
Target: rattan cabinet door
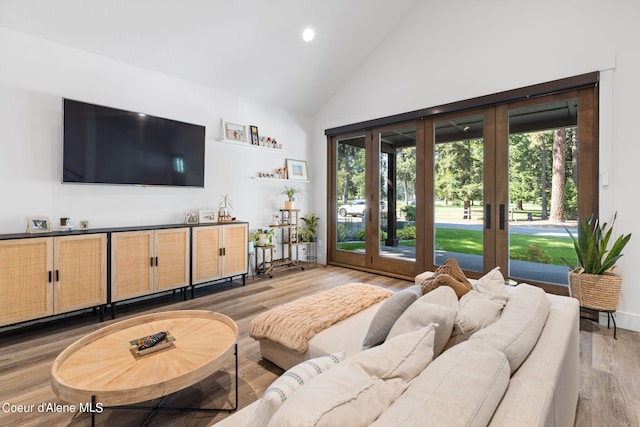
(206, 254)
(80, 277)
(235, 253)
(26, 285)
(171, 258)
(131, 264)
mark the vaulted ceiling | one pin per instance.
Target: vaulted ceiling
(252, 48)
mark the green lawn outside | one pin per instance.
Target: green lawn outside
(470, 242)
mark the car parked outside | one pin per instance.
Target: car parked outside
(354, 208)
(358, 207)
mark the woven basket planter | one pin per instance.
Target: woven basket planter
(595, 291)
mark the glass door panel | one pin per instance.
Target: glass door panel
(397, 193)
(350, 194)
(543, 196)
(459, 154)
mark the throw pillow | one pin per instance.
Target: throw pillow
(283, 387)
(358, 390)
(387, 315)
(492, 286)
(454, 277)
(438, 306)
(476, 311)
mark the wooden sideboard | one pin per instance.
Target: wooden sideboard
(59, 272)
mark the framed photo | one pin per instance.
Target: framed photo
(255, 140)
(38, 224)
(234, 131)
(207, 216)
(297, 170)
(191, 218)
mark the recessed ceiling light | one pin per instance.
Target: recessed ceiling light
(308, 34)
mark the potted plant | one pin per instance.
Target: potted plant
(290, 191)
(263, 236)
(311, 222)
(592, 282)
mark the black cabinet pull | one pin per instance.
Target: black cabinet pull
(50, 277)
(57, 275)
(501, 217)
(156, 261)
(487, 216)
(151, 261)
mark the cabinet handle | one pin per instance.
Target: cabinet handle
(501, 217)
(224, 251)
(156, 261)
(220, 252)
(57, 275)
(151, 262)
(50, 277)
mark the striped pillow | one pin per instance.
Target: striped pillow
(288, 383)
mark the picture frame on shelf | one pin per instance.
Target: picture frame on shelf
(297, 170)
(232, 131)
(191, 218)
(255, 139)
(206, 216)
(38, 224)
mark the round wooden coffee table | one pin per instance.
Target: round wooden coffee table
(101, 368)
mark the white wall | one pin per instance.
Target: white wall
(36, 74)
(455, 50)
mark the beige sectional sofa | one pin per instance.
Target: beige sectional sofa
(522, 369)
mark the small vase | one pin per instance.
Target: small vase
(288, 204)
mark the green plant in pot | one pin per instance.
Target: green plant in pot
(290, 191)
(263, 236)
(311, 222)
(592, 281)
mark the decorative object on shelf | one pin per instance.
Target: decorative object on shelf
(297, 170)
(263, 236)
(225, 205)
(190, 218)
(309, 232)
(281, 173)
(84, 224)
(255, 140)
(267, 141)
(234, 131)
(38, 224)
(206, 216)
(290, 191)
(593, 282)
(65, 224)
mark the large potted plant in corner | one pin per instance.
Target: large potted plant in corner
(290, 191)
(592, 282)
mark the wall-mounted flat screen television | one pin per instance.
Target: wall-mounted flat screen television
(103, 145)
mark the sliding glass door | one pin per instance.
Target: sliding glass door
(491, 186)
(458, 199)
(374, 207)
(544, 149)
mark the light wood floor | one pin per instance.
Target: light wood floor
(608, 397)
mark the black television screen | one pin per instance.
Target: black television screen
(103, 145)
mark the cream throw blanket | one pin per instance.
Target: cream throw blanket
(295, 323)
